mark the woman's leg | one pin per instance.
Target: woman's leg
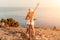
(27, 28)
(33, 30)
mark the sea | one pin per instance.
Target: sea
(19, 14)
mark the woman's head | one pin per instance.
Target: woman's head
(30, 10)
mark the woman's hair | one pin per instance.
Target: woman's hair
(31, 10)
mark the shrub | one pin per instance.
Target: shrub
(10, 21)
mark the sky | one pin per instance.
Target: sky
(28, 3)
(49, 12)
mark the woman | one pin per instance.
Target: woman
(30, 21)
(30, 17)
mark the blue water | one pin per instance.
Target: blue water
(17, 13)
(20, 13)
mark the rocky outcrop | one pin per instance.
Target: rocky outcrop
(9, 22)
(14, 33)
(19, 33)
(10, 30)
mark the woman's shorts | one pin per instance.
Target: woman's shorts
(28, 22)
